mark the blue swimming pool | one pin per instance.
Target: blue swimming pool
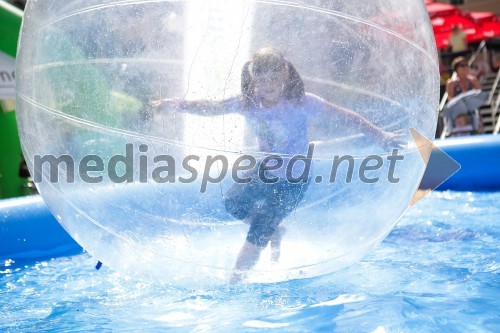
(438, 271)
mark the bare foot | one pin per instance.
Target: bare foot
(275, 243)
(247, 258)
(236, 277)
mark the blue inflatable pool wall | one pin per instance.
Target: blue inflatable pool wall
(29, 231)
(479, 159)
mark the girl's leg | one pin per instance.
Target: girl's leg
(279, 200)
(289, 197)
(275, 243)
(258, 235)
(240, 200)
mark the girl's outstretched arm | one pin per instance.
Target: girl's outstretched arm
(199, 107)
(385, 139)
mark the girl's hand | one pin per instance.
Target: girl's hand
(392, 140)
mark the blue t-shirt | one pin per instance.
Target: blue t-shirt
(281, 129)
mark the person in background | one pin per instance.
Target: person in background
(464, 81)
(458, 40)
(455, 122)
(462, 126)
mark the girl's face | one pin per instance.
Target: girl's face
(268, 87)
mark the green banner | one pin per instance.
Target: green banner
(11, 184)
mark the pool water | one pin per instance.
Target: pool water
(437, 271)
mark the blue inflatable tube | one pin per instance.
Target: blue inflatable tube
(29, 231)
(479, 158)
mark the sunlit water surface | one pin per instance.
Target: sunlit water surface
(438, 271)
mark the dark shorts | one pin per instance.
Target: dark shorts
(266, 205)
